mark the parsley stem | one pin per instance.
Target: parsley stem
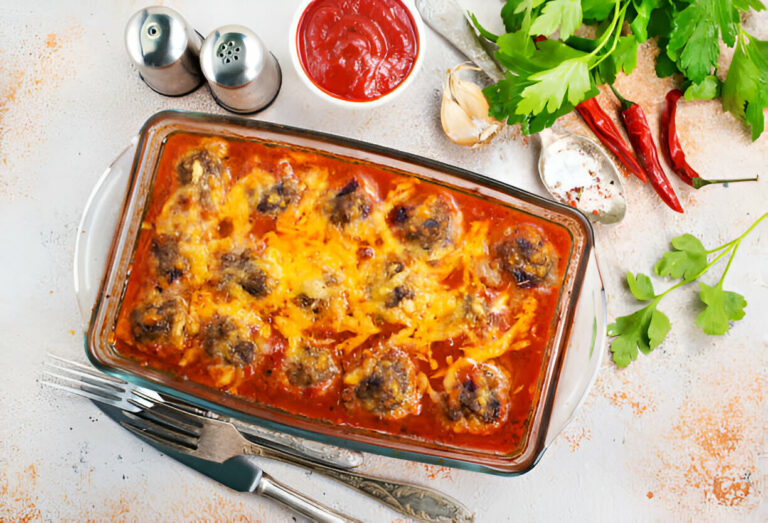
(730, 243)
(608, 33)
(616, 35)
(696, 277)
(728, 265)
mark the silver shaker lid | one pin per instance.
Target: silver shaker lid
(165, 50)
(243, 75)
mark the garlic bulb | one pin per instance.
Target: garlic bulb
(464, 111)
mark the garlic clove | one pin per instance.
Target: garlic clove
(469, 96)
(464, 111)
(457, 124)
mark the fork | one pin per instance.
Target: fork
(192, 431)
(217, 440)
(86, 381)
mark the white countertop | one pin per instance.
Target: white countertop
(680, 433)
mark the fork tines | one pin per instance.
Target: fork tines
(166, 425)
(88, 382)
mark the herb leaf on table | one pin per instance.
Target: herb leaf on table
(686, 260)
(721, 307)
(646, 328)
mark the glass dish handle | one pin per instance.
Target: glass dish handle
(97, 227)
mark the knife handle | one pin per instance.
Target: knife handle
(299, 503)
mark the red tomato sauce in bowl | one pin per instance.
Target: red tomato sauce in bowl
(357, 50)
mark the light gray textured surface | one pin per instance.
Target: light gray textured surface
(680, 433)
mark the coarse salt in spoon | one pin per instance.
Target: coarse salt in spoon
(577, 172)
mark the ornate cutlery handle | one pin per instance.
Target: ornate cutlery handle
(418, 502)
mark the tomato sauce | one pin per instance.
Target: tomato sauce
(357, 50)
(260, 381)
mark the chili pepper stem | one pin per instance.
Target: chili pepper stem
(698, 183)
(625, 104)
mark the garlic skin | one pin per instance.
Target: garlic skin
(464, 111)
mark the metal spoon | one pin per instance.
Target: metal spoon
(593, 185)
(577, 172)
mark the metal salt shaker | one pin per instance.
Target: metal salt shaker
(165, 50)
(243, 75)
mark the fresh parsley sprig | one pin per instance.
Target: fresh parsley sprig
(547, 80)
(644, 329)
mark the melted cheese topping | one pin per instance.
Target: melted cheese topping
(354, 285)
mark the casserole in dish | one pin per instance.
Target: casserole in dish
(337, 289)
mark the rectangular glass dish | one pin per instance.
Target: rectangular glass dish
(319, 308)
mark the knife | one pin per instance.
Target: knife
(242, 474)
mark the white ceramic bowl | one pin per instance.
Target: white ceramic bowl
(352, 104)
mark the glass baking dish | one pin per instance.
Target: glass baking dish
(109, 233)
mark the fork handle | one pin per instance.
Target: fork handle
(415, 501)
(297, 502)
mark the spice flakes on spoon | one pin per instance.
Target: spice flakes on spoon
(464, 110)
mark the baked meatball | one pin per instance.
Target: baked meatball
(275, 199)
(476, 397)
(385, 385)
(169, 263)
(349, 204)
(428, 224)
(159, 320)
(310, 366)
(196, 166)
(528, 256)
(223, 337)
(242, 269)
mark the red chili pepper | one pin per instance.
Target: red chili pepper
(670, 143)
(641, 138)
(604, 128)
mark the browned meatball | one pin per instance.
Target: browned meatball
(385, 385)
(169, 263)
(349, 204)
(159, 320)
(528, 256)
(397, 295)
(308, 303)
(275, 199)
(427, 224)
(197, 166)
(476, 398)
(242, 269)
(310, 366)
(222, 337)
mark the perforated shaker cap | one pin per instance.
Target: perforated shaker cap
(165, 50)
(243, 75)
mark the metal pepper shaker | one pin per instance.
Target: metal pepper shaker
(243, 75)
(165, 50)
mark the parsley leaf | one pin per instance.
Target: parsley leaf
(642, 330)
(565, 14)
(643, 10)
(721, 306)
(745, 91)
(693, 42)
(640, 286)
(707, 89)
(688, 258)
(550, 87)
(623, 58)
(596, 10)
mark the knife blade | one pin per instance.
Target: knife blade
(243, 474)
